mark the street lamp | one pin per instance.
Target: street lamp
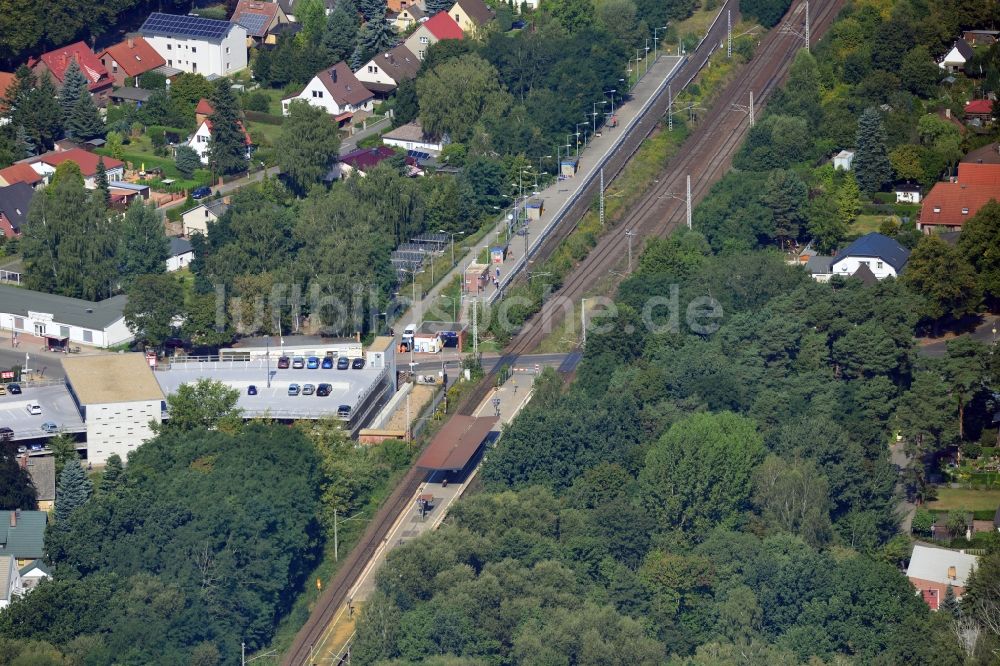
(656, 37)
(594, 114)
(452, 234)
(612, 93)
(540, 158)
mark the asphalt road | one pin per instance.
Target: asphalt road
(983, 333)
(51, 363)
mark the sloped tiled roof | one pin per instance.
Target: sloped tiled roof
(343, 86)
(876, 245)
(247, 13)
(25, 540)
(87, 161)
(477, 11)
(6, 79)
(979, 174)
(204, 107)
(964, 48)
(983, 106)
(20, 173)
(14, 202)
(58, 61)
(134, 56)
(399, 63)
(443, 26)
(944, 204)
(366, 158)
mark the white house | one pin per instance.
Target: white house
(181, 254)
(907, 192)
(882, 255)
(32, 574)
(118, 397)
(203, 136)
(843, 160)
(386, 71)
(72, 320)
(335, 90)
(195, 220)
(197, 45)
(933, 570)
(10, 580)
(46, 163)
(411, 137)
(955, 59)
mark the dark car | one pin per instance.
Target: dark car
(251, 390)
(327, 362)
(284, 362)
(201, 192)
(358, 364)
(14, 389)
(343, 363)
(6, 434)
(323, 390)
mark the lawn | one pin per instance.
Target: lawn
(965, 498)
(264, 134)
(868, 223)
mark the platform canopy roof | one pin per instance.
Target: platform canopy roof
(457, 442)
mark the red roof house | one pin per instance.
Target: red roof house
(948, 205)
(979, 108)
(443, 26)
(19, 173)
(6, 79)
(99, 82)
(259, 18)
(202, 111)
(130, 58)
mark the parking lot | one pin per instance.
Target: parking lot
(57, 406)
(348, 387)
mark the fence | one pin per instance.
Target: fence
(10, 276)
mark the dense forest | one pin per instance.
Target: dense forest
(726, 494)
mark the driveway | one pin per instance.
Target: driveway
(986, 332)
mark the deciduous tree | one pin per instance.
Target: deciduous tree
(154, 301)
(16, 490)
(308, 145)
(458, 93)
(979, 244)
(143, 245)
(938, 272)
(204, 404)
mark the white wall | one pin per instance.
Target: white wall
(116, 333)
(117, 173)
(315, 94)
(848, 265)
(907, 197)
(178, 262)
(370, 72)
(199, 142)
(196, 220)
(425, 146)
(201, 56)
(119, 427)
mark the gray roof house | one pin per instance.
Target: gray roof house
(73, 320)
(882, 255)
(14, 203)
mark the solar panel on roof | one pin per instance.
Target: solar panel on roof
(254, 23)
(185, 26)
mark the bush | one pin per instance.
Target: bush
(922, 521)
(152, 81)
(187, 161)
(971, 449)
(257, 101)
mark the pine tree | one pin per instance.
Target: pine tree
(74, 88)
(375, 36)
(374, 10)
(186, 160)
(227, 147)
(45, 114)
(84, 122)
(103, 190)
(871, 158)
(111, 479)
(73, 491)
(950, 604)
(23, 145)
(435, 6)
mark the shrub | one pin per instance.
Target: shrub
(922, 521)
(257, 101)
(187, 160)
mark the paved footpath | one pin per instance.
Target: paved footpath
(557, 195)
(410, 524)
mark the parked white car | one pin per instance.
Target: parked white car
(34, 409)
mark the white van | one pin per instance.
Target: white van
(408, 332)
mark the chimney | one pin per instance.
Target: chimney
(131, 42)
(333, 74)
(13, 518)
(947, 113)
(952, 573)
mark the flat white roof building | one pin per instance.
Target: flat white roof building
(100, 323)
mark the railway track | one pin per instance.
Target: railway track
(705, 155)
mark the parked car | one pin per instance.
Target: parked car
(201, 192)
(34, 408)
(284, 362)
(298, 363)
(308, 389)
(15, 389)
(327, 362)
(344, 411)
(358, 364)
(22, 449)
(323, 390)
(36, 447)
(251, 390)
(3, 390)
(6, 434)
(343, 363)
(50, 427)
(312, 363)
(293, 389)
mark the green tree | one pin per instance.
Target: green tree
(16, 490)
(115, 145)
(373, 10)
(458, 93)
(308, 145)
(825, 224)
(227, 149)
(375, 36)
(786, 195)
(204, 404)
(73, 90)
(143, 244)
(979, 244)
(965, 371)
(925, 419)
(205, 322)
(698, 474)
(906, 161)
(922, 522)
(871, 162)
(940, 274)
(341, 32)
(73, 489)
(154, 301)
(112, 477)
(63, 447)
(32, 105)
(187, 161)
(793, 496)
(84, 122)
(103, 189)
(312, 15)
(919, 73)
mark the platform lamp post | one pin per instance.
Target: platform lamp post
(645, 57)
(612, 93)
(594, 113)
(452, 234)
(656, 39)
